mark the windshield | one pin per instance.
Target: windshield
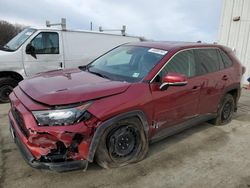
(19, 39)
(126, 63)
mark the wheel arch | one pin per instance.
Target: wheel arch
(11, 74)
(235, 91)
(103, 126)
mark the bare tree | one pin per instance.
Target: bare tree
(8, 31)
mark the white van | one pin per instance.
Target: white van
(39, 50)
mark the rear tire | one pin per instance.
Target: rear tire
(225, 111)
(122, 143)
(6, 87)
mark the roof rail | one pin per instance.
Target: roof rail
(62, 24)
(123, 30)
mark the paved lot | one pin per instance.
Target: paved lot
(204, 156)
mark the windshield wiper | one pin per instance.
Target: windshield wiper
(99, 74)
(6, 46)
(86, 68)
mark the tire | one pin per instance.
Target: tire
(225, 111)
(6, 87)
(122, 143)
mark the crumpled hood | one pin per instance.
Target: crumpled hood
(69, 86)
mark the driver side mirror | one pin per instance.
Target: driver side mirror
(31, 50)
(173, 79)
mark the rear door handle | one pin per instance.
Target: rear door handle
(225, 77)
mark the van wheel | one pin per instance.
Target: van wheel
(225, 111)
(6, 87)
(122, 143)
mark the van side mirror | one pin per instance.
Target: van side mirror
(173, 79)
(31, 50)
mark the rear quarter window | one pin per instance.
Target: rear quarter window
(226, 60)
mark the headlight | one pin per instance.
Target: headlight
(59, 117)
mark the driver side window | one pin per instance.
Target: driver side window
(183, 63)
(46, 43)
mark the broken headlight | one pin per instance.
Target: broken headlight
(58, 117)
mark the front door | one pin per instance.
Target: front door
(177, 103)
(48, 53)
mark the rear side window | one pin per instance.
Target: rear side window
(183, 63)
(226, 60)
(208, 60)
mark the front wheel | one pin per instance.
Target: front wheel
(122, 143)
(6, 87)
(225, 111)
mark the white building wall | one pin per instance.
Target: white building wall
(236, 34)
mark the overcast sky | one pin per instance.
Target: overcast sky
(179, 20)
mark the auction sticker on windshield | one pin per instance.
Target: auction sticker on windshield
(158, 51)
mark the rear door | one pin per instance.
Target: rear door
(211, 70)
(178, 103)
(49, 53)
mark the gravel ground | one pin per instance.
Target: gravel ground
(204, 156)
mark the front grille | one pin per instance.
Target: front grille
(19, 120)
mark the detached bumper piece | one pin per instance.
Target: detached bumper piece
(56, 166)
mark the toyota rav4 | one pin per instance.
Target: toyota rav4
(111, 109)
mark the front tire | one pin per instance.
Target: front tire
(122, 143)
(225, 111)
(6, 87)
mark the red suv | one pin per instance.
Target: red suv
(111, 109)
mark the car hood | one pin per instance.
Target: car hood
(69, 86)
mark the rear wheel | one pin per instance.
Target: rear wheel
(225, 111)
(6, 87)
(122, 143)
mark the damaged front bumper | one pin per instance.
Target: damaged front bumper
(56, 166)
(60, 148)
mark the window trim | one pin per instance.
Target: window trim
(183, 50)
(48, 32)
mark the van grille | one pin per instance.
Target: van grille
(20, 122)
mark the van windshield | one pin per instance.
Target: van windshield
(19, 39)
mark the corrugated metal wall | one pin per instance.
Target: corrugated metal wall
(236, 34)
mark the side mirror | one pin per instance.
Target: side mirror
(31, 50)
(173, 79)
